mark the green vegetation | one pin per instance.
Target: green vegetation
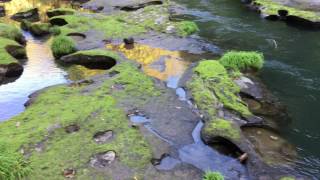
(271, 8)
(62, 45)
(12, 164)
(124, 24)
(211, 82)
(5, 57)
(93, 109)
(222, 128)
(213, 176)
(242, 60)
(98, 52)
(186, 28)
(10, 32)
(39, 29)
(287, 178)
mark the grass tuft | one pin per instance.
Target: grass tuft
(62, 45)
(12, 164)
(186, 28)
(213, 176)
(242, 60)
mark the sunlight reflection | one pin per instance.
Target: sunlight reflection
(156, 62)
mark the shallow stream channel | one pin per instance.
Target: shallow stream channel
(291, 72)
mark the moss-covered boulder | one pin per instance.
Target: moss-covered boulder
(60, 11)
(220, 128)
(11, 32)
(211, 84)
(96, 59)
(9, 52)
(289, 12)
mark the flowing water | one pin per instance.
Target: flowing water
(40, 71)
(291, 71)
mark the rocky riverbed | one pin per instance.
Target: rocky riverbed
(162, 103)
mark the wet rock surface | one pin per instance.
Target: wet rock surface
(102, 160)
(103, 136)
(30, 14)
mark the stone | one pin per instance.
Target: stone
(101, 160)
(30, 14)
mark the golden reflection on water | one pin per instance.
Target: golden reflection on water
(43, 6)
(156, 62)
(78, 72)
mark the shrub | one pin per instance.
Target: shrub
(242, 60)
(12, 165)
(62, 45)
(213, 176)
(186, 28)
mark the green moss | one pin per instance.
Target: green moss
(39, 29)
(125, 24)
(222, 128)
(12, 164)
(271, 8)
(62, 45)
(287, 178)
(211, 80)
(98, 52)
(94, 110)
(242, 60)
(10, 32)
(213, 176)
(5, 57)
(186, 28)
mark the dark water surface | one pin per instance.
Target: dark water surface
(291, 72)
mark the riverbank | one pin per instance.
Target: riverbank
(105, 140)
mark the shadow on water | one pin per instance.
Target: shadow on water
(291, 70)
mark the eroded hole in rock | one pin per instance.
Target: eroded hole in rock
(107, 64)
(17, 52)
(69, 173)
(103, 136)
(72, 128)
(282, 12)
(226, 147)
(272, 17)
(102, 160)
(139, 6)
(77, 36)
(137, 117)
(58, 22)
(113, 73)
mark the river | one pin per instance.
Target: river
(291, 70)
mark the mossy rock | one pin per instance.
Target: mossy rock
(220, 128)
(60, 11)
(11, 32)
(96, 59)
(124, 24)
(51, 149)
(40, 29)
(211, 84)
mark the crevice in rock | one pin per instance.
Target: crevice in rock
(138, 6)
(72, 128)
(103, 136)
(226, 147)
(58, 21)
